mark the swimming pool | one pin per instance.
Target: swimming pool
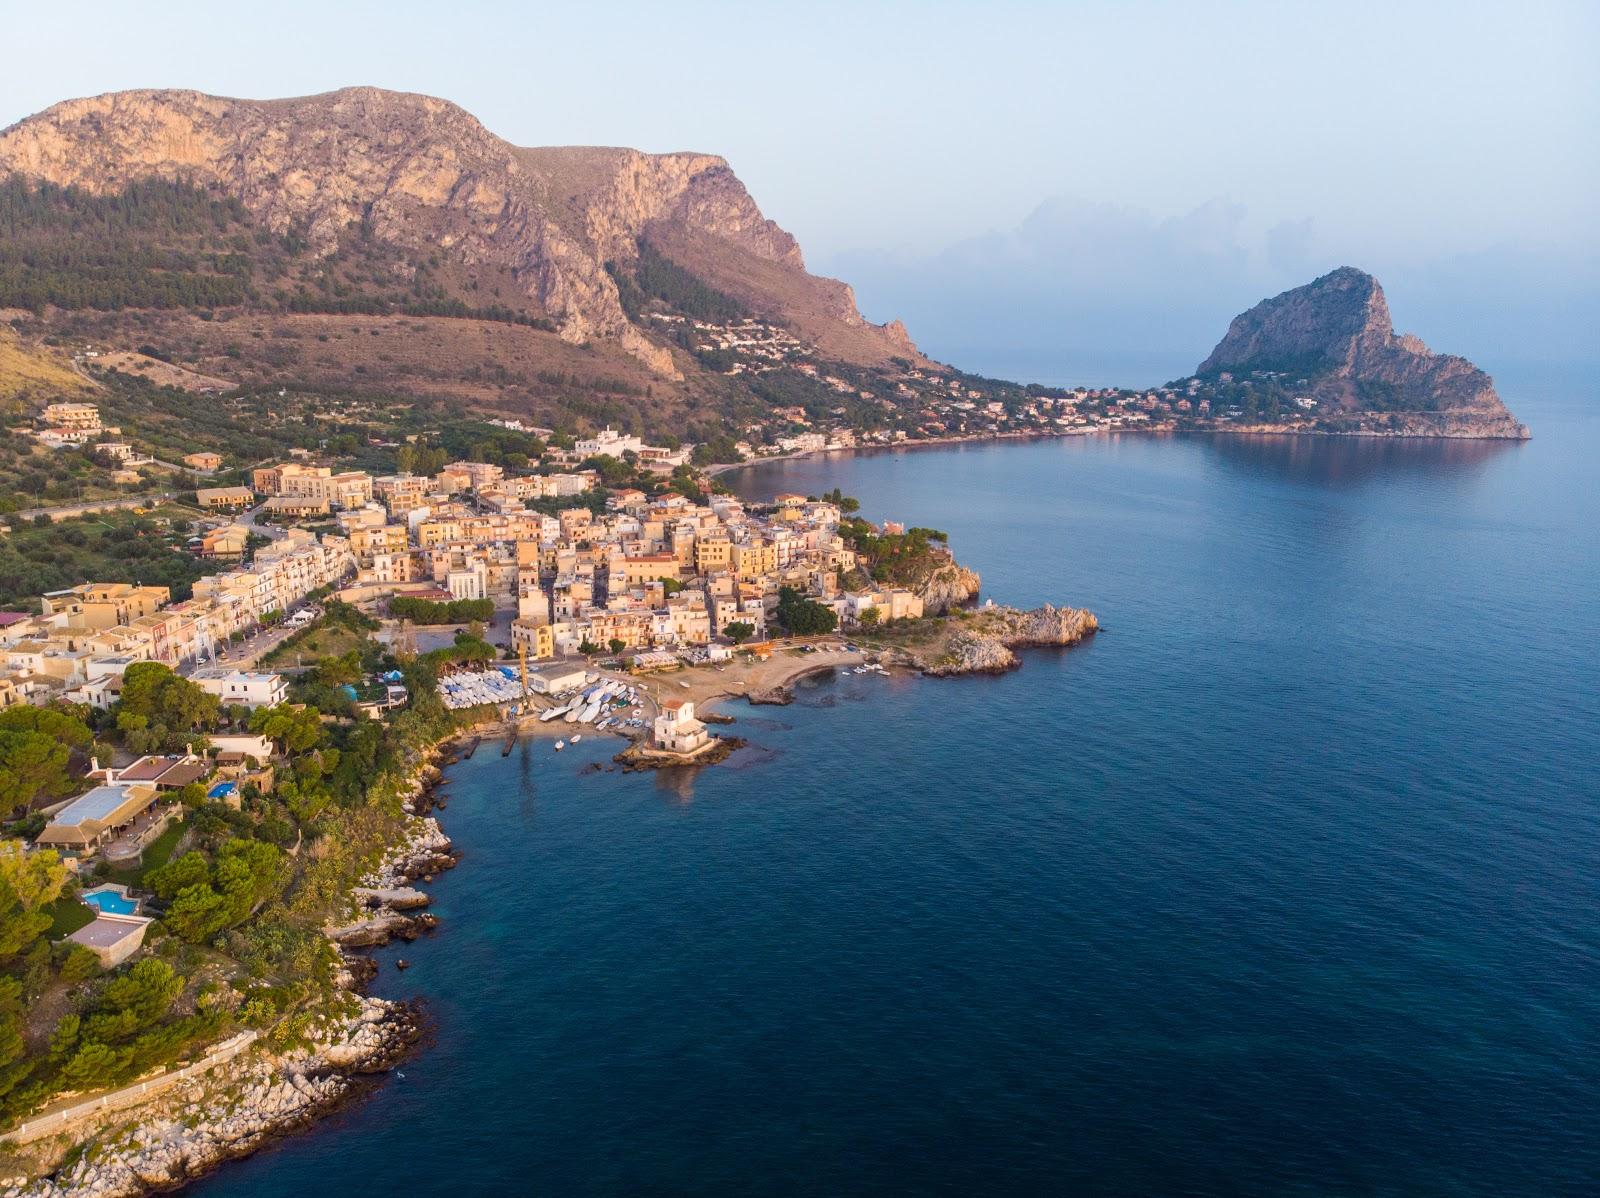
(109, 901)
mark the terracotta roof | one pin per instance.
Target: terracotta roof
(147, 769)
(184, 773)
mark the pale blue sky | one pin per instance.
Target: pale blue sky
(956, 161)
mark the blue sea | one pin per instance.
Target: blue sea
(1287, 883)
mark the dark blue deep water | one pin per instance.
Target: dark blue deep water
(1289, 883)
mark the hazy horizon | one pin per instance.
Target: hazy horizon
(1079, 190)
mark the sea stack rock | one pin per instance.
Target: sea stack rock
(1335, 336)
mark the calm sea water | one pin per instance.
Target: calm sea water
(1288, 883)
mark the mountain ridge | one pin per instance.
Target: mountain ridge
(388, 243)
(423, 175)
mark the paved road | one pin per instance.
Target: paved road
(246, 653)
(271, 531)
(99, 505)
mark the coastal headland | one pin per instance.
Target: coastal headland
(890, 600)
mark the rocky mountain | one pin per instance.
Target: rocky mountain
(1336, 334)
(403, 190)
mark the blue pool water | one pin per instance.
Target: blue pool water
(1285, 884)
(110, 902)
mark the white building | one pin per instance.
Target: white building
(677, 730)
(609, 442)
(246, 689)
(553, 680)
(471, 582)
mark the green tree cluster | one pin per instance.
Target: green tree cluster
(905, 559)
(206, 898)
(803, 616)
(454, 611)
(160, 711)
(36, 746)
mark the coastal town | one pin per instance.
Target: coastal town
(647, 574)
(837, 407)
(167, 752)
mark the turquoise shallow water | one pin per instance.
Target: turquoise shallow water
(1285, 884)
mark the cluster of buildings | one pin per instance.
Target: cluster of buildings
(81, 641)
(608, 442)
(78, 424)
(62, 424)
(648, 573)
(752, 345)
(912, 402)
(126, 809)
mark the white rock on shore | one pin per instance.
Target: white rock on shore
(246, 1102)
(971, 653)
(239, 1105)
(987, 647)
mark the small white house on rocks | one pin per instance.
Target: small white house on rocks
(677, 730)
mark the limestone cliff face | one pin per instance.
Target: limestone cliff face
(950, 586)
(986, 645)
(1337, 331)
(427, 177)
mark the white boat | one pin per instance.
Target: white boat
(577, 738)
(560, 744)
(591, 712)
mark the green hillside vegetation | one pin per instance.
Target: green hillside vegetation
(899, 559)
(239, 943)
(32, 475)
(108, 547)
(167, 244)
(659, 278)
(156, 244)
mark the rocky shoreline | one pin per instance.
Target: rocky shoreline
(258, 1096)
(248, 1103)
(989, 645)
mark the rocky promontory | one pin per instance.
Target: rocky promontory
(235, 1100)
(949, 587)
(984, 643)
(1333, 341)
(385, 901)
(227, 1112)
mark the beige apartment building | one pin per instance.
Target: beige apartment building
(224, 497)
(98, 605)
(349, 489)
(82, 416)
